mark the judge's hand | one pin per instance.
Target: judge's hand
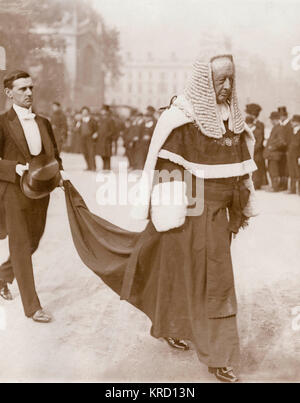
(20, 169)
(298, 161)
(95, 136)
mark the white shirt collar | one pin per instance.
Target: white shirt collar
(285, 122)
(20, 111)
(296, 129)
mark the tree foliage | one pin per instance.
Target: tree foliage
(111, 55)
(25, 48)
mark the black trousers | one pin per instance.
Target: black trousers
(88, 150)
(294, 169)
(106, 163)
(25, 221)
(274, 171)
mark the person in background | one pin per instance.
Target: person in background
(118, 132)
(75, 146)
(105, 136)
(252, 112)
(59, 125)
(145, 136)
(287, 132)
(129, 136)
(127, 142)
(87, 127)
(275, 151)
(136, 135)
(293, 154)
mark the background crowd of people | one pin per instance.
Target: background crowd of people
(106, 131)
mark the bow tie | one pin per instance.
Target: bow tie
(28, 116)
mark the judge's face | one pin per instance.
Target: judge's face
(21, 92)
(222, 69)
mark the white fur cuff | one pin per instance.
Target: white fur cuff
(251, 209)
(168, 205)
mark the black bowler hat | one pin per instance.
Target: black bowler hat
(282, 111)
(274, 116)
(42, 177)
(253, 109)
(296, 118)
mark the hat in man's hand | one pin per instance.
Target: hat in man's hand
(42, 177)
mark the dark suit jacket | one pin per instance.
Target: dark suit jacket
(92, 127)
(276, 145)
(259, 134)
(14, 150)
(106, 135)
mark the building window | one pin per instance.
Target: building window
(162, 87)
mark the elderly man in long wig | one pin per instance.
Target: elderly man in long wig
(184, 278)
(178, 271)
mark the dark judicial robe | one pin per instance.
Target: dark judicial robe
(181, 279)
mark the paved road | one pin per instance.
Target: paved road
(95, 337)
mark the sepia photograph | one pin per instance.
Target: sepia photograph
(150, 194)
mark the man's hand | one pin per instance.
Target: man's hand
(298, 161)
(20, 169)
(95, 136)
(64, 175)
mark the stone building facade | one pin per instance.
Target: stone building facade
(148, 81)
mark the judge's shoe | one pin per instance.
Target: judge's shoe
(41, 316)
(4, 291)
(224, 374)
(176, 343)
